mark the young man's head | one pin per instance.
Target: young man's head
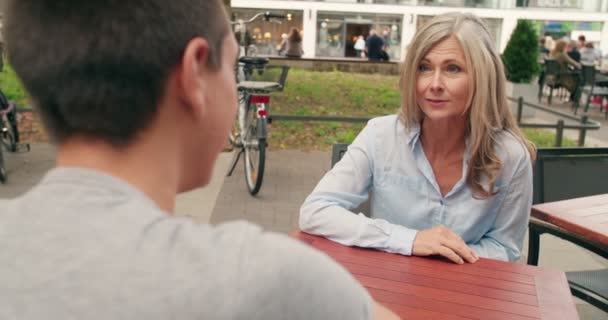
(581, 41)
(113, 71)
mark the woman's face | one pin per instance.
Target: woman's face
(442, 81)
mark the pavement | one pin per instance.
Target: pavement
(290, 177)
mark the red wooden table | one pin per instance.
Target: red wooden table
(427, 288)
(586, 217)
(583, 221)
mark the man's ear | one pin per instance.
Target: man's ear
(192, 75)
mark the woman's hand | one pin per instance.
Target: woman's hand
(442, 241)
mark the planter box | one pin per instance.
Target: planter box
(527, 90)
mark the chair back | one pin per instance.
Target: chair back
(337, 152)
(551, 67)
(567, 173)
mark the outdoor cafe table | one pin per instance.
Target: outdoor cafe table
(586, 218)
(432, 288)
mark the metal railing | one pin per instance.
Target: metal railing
(585, 124)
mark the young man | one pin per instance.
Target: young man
(582, 41)
(139, 97)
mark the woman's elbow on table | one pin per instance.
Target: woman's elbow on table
(310, 211)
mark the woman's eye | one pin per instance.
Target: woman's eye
(454, 68)
(424, 67)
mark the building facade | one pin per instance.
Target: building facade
(330, 28)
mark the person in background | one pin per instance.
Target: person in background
(294, 44)
(549, 42)
(283, 45)
(359, 46)
(451, 174)
(589, 55)
(543, 52)
(582, 41)
(139, 111)
(386, 37)
(374, 46)
(572, 51)
(566, 64)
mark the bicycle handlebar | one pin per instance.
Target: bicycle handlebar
(267, 16)
(270, 15)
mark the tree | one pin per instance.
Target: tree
(521, 55)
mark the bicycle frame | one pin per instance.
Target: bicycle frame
(261, 102)
(252, 117)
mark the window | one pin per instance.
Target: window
(266, 37)
(337, 33)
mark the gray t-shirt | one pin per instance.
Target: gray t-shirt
(85, 245)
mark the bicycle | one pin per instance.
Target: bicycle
(251, 126)
(9, 133)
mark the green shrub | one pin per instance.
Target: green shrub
(11, 86)
(521, 55)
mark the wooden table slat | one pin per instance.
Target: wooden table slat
(430, 272)
(453, 286)
(465, 311)
(447, 296)
(552, 297)
(414, 313)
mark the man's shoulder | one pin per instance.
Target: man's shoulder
(272, 275)
(285, 273)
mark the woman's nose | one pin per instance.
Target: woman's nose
(437, 82)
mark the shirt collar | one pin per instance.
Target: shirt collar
(412, 134)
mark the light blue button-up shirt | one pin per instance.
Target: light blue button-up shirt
(387, 160)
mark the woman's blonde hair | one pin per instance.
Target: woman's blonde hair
(560, 47)
(487, 112)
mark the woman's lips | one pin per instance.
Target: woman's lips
(436, 102)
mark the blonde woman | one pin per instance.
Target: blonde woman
(451, 175)
(566, 78)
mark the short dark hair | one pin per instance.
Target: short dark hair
(99, 68)
(582, 38)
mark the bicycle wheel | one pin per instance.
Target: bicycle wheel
(8, 136)
(2, 168)
(255, 154)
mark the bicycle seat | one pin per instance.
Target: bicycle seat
(254, 60)
(258, 85)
